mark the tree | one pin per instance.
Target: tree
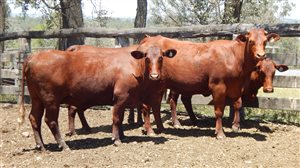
(69, 14)
(4, 12)
(232, 11)
(183, 12)
(141, 17)
(71, 17)
(191, 12)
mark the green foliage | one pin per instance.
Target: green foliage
(282, 116)
(191, 12)
(265, 11)
(181, 12)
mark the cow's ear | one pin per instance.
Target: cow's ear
(281, 67)
(137, 54)
(272, 37)
(241, 38)
(170, 53)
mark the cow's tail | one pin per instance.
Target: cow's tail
(21, 117)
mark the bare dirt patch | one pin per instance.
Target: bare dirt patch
(258, 144)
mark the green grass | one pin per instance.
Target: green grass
(8, 98)
(281, 93)
(280, 116)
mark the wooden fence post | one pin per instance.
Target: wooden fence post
(1, 52)
(24, 50)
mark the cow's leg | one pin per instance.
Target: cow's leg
(139, 116)
(237, 105)
(147, 124)
(156, 104)
(51, 119)
(35, 118)
(131, 116)
(85, 125)
(71, 116)
(172, 99)
(219, 96)
(118, 116)
(187, 102)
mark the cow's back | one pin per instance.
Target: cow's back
(78, 78)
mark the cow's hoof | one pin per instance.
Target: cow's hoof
(220, 134)
(236, 128)
(64, 146)
(65, 149)
(151, 134)
(117, 142)
(70, 133)
(176, 124)
(40, 148)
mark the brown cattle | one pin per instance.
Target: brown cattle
(109, 52)
(262, 76)
(221, 68)
(83, 79)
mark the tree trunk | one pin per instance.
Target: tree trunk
(2, 22)
(71, 17)
(232, 11)
(141, 17)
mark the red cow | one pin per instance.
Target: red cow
(83, 79)
(106, 51)
(72, 109)
(221, 68)
(261, 77)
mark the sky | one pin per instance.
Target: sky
(295, 13)
(115, 8)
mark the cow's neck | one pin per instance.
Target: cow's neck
(248, 66)
(249, 61)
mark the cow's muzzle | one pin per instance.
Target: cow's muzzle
(268, 90)
(154, 76)
(261, 56)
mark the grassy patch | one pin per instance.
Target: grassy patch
(281, 93)
(281, 116)
(8, 98)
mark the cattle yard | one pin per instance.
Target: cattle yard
(11, 61)
(260, 143)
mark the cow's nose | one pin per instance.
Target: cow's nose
(268, 90)
(154, 76)
(261, 55)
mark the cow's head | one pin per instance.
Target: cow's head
(153, 60)
(256, 40)
(266, 71)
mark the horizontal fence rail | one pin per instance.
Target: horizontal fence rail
(221, 30)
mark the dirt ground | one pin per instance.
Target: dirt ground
(258, 144)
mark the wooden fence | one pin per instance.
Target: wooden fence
(11, 62)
